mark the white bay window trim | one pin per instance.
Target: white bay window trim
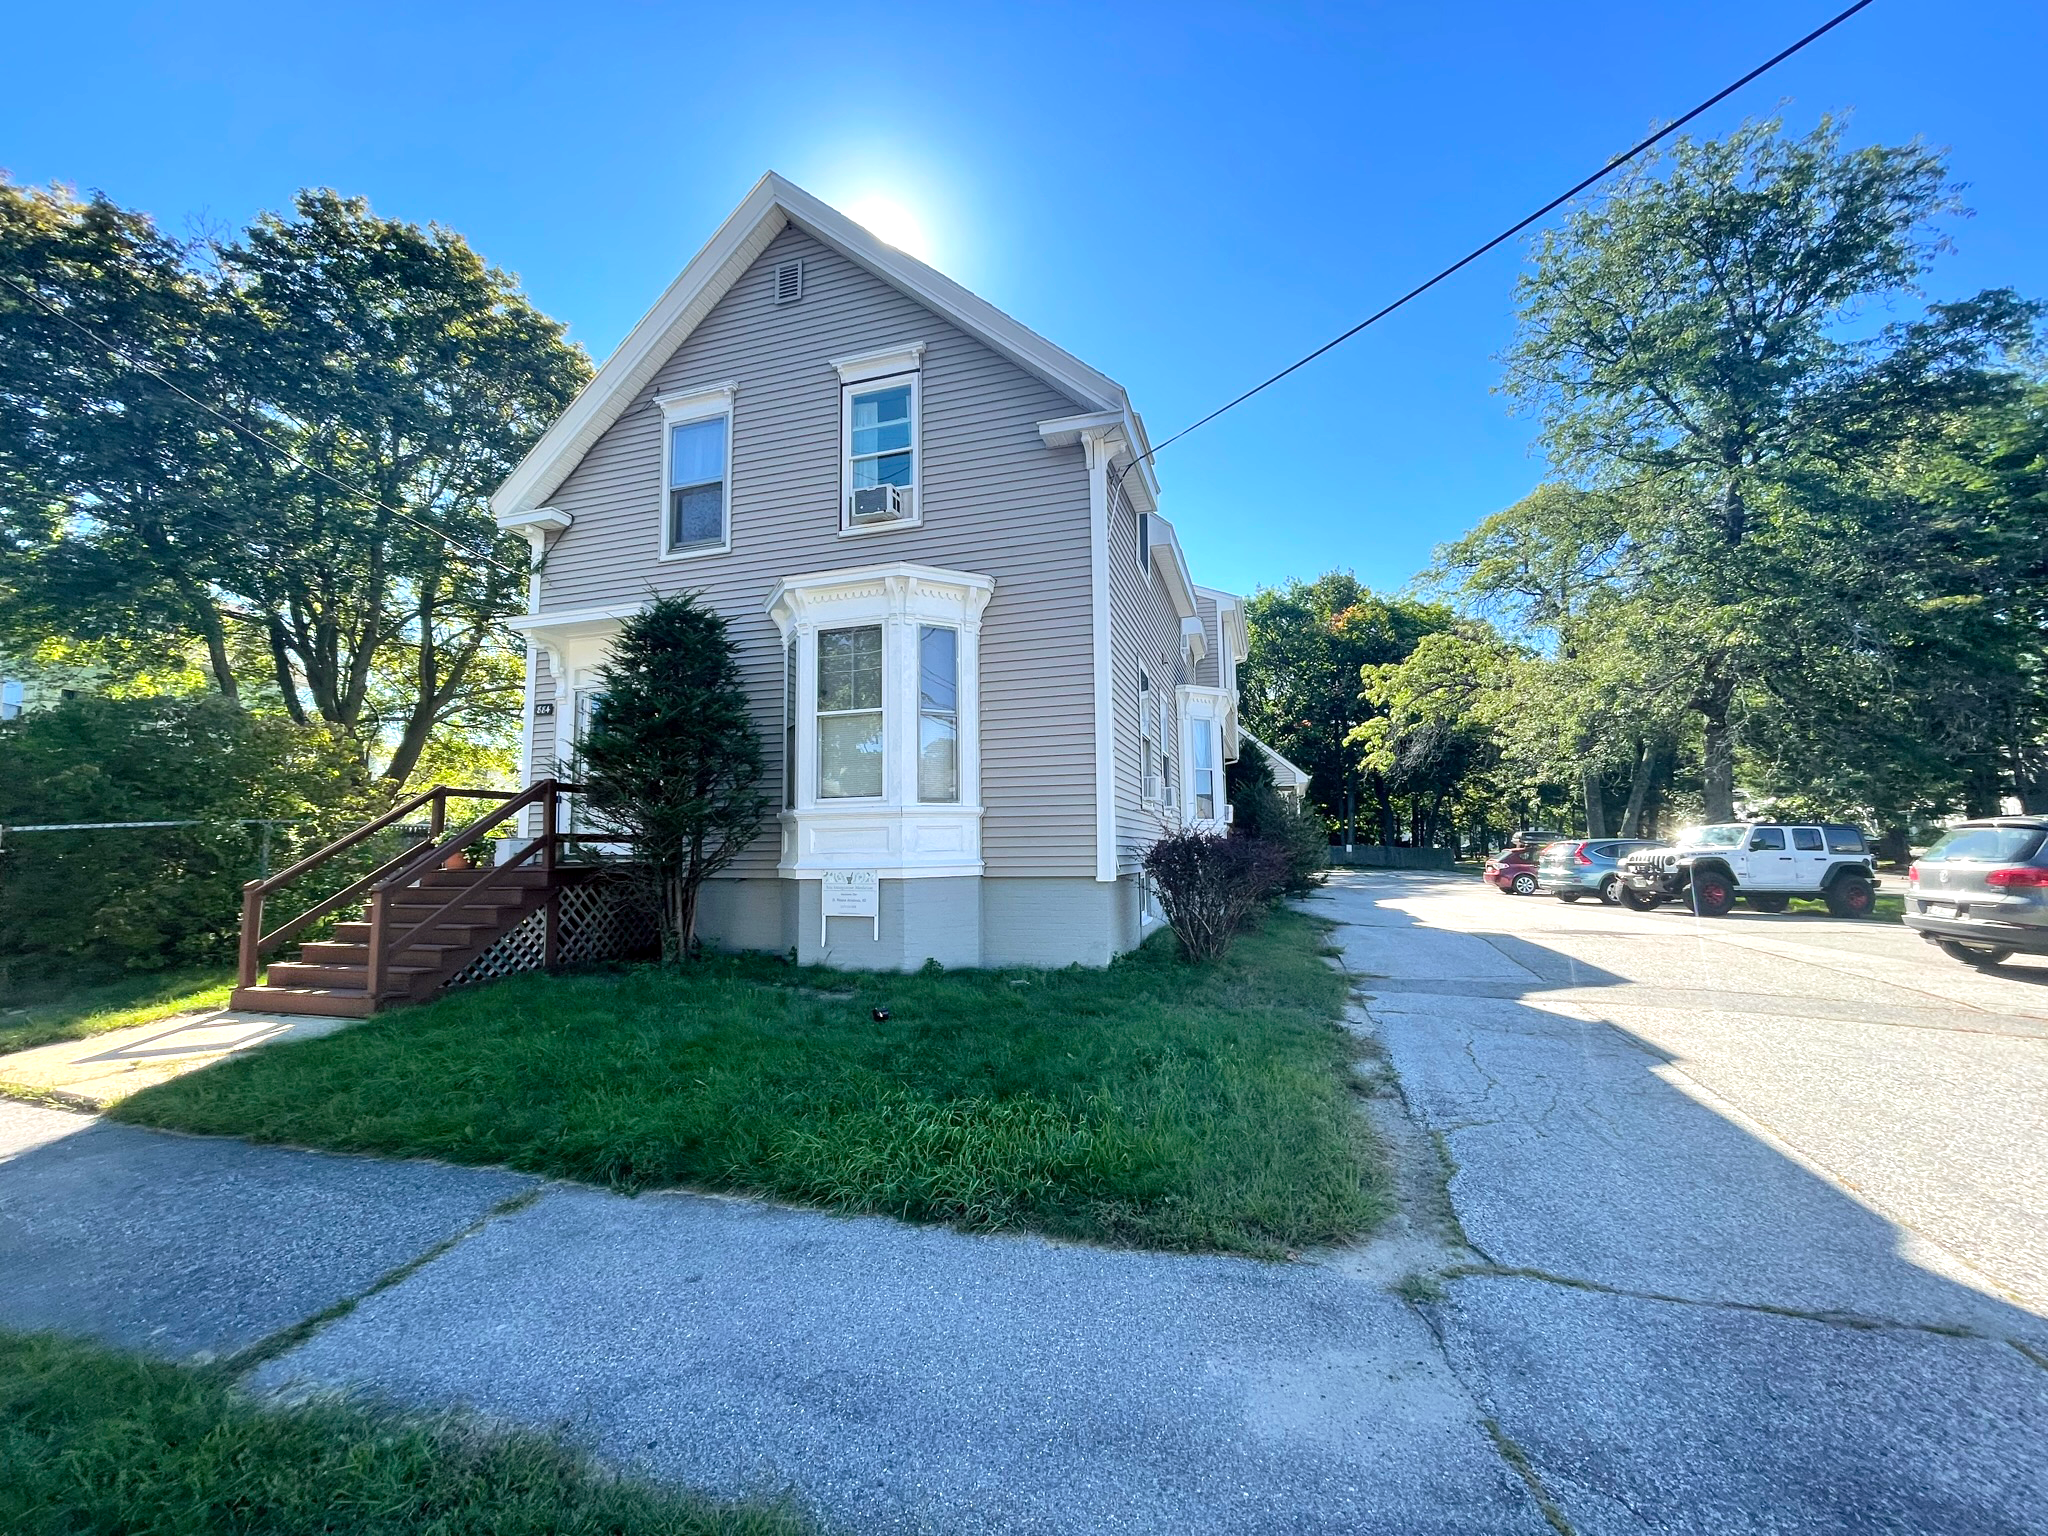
(681, 409)
(896, 833)
(1203, 715)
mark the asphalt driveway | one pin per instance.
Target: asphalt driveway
(1756, 1207)
(1727, 1227)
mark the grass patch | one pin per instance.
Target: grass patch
(1888, 908)
(32, 1016)
(1152, 1103)
(94, 1440)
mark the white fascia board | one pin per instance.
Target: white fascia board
(571, 619)
(1230, 620)
(1173, 565)
(773, 203)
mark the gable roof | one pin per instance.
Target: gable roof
(772, 206)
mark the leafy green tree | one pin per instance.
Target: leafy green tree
(148, 898)
(381, 355)
(671, 759)
(1300, 683)
(1691, 342)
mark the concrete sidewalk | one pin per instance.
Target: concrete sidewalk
(92, 1072)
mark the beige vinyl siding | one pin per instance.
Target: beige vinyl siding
(1144, 632)
(1209, 670)
(994, 500)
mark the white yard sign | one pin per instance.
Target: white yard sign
(849, 893)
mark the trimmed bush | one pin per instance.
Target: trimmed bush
(1211, 884)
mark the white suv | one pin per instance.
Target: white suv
(1765, 864)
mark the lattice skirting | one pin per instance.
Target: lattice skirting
(599, 922)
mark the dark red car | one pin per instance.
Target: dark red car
(1513, 870)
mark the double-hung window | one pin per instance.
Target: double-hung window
(696, 456)
(850, 736)
(938, 715)
(881, 454)
(1202, 764)
(1149, 737)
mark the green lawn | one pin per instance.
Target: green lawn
(38, 1014)
(1152, 1103)
(92, 1440)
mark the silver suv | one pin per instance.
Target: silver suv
(1587, 867)
(1981, 892)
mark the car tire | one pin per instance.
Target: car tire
(1569, 895)
(1712, 895)
(1771, 903)
(1525, 885)
(1851, 896)
(1610, 891)
(1970, 954)
(1637, 902)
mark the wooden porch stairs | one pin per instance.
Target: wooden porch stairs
(422, 924)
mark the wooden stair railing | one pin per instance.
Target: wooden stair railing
(422, 924)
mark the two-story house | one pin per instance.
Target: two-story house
(982, 672)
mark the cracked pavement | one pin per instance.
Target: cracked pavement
(1752, 1223)
(1731, 1227)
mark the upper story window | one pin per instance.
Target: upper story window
(10, 699)
(696, 454)
(881, 455)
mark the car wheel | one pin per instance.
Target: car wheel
(1970, 954)
(1610, 891)
(1636, 901)
(1525, 885)
(1569, 895)
(1771, 903)
(1712, 895)
(1851, 896)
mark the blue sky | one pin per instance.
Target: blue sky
(1187, 196)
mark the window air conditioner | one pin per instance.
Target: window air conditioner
(1229, 815)
(880, 504)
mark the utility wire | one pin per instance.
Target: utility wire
(250, 432)
(1514, 229)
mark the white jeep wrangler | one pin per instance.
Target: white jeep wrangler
(1763, 863)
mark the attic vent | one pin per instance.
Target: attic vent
(789, 282)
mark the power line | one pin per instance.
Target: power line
(250, 432)
(1514, 229)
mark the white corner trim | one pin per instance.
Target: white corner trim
(908, 358)
(1099, 443)
(688, 404)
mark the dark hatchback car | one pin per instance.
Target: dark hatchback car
(1981, 892)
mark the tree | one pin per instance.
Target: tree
(671, 759)
(375, 354)
(1689, 341)
(1299, 686)
(144, 898)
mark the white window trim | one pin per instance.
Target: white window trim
(1205, 709)
(897, 835)
(1151, 742)
(861, 375)
(678, 410)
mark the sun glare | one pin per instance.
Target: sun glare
(891, 221)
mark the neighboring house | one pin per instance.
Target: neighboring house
(26, 687)
(1292, 782)
(981, 670)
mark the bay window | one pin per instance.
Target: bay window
(881, 715)
(850, 713)
(1202, 769)
(938, 715)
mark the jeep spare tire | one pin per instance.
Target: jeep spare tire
(1851, 896)
(1712, 893)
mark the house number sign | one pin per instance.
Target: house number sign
(849, 893)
